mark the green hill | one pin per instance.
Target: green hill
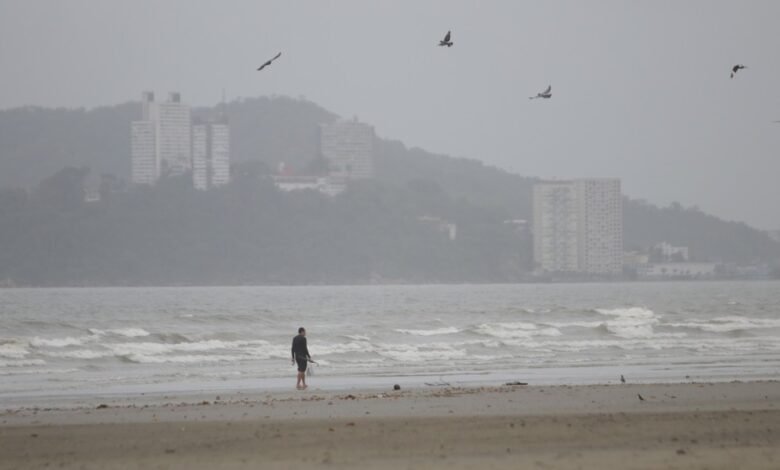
(249, 232)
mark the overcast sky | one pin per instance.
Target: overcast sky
(641, 90)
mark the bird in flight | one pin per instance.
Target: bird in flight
(736, 69)
(267, 63)
(545, 94)
(446, 41)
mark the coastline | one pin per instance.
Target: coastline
(717, 425)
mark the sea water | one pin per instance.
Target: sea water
(70, 341)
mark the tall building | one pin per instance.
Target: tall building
(220, 153)
(210, 154)
(200, 156)
(174, 139)
(600, 225)
(145, 165)
(556, 248)
(578, 226)
(166, 143)
(349, 148)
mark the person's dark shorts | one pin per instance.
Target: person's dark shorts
(302, 363)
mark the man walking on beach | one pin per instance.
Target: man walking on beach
(300, 355)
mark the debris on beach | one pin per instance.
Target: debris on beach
(440, 383)
(102, 406)
(515, 383)
(396, 387)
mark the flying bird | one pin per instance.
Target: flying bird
(446, 41)
(545, 94)
(268, 62)
(736, 69)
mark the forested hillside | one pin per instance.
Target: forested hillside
(251, 233)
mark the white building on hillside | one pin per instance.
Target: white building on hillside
(166, 143)
(578, 226)
(210, 154)
(145, 164)
(349, 148)
(555, 227)
(600, 225)
(174, 135)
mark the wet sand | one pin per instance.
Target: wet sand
(721, 425)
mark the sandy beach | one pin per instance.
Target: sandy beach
(691, 425)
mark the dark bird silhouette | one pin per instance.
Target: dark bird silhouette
(545, 94)
(622, 379)
(736, 69)
(268, 62)
(446, 41)
(641, 398)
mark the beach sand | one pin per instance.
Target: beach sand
(692, 425)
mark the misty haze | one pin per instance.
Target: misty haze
(486, 221)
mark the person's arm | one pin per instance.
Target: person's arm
(306, 348)
(292, 350)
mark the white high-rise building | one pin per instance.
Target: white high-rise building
(555, 227)
(166, 143)
(210, 154)
(200, 156)
(578, 226)
(145, 166)
(349, 148)
(220, 153)
(174, 138)
(600, 231)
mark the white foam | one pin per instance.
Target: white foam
(13, 351)
(411, 353)
(630, 331)
(357, 337)
(730, 323)
(435, 332)
(629, 312)
(514, 330)
(57, 342)
(23, 363)
(340, 348)
(575, 324)
(130, 332)
(183, 359)
(149, 349)
(630, 322)
(79, 354)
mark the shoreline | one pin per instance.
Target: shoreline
(718, 425)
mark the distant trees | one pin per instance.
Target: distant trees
(247, 232)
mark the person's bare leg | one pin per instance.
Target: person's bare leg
(301, 382)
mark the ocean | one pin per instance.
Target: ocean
(57, 342)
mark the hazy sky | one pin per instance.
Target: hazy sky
(641, 90)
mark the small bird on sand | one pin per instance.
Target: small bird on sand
(736, 69)
(545, 94)
(641, 398)
(622, 379)
(446, 41)
(267, 63)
